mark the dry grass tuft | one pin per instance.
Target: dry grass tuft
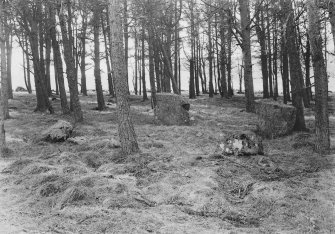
(17, 166)
(92, 159)
(75, 170)
(77, 196)
(36, 168)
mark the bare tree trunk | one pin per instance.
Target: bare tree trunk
(126, 130)
(126, 36)
(210, 52)
(295, 67)
(275, 60)
(3, 90)
(9, 48)
(48, 60)
(158, 69)
(321, 80)
(152, 69)
(97, 71)
(43, 103)
(145, 96)
(331, 9)
(260, 31)
(191, 60)
(246, 49)
(269, 51)
(224, 88)
(111, 77)
(83, 87)
(58, 63)
(136, 63)
(70, 70)
(307, 68)
(4, 112)
(28, 64)
(109, 70)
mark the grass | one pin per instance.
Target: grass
(179, 182)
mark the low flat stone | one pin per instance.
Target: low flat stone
(242, 144)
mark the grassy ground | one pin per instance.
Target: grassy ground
(179, 183)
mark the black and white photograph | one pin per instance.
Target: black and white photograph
(167, 116)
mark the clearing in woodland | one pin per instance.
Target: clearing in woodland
(179, 183)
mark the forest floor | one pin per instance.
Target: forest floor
(179, 183)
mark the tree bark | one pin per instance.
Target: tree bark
(321, 80)
(152, 69)
(83, 87)
(70, 70)
(97, 70)
(210, 52)
(9, 48)
(260, 31)
(224, 88)
(4, 81)
(126, 130)
(28, 83)
(58, 62)
(246, 49)
(108, 65)
(145, 96)
(295, 67)
(331, 9)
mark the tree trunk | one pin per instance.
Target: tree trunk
(9, 48)
(321, 80)
(43, 103)
(152, 69)
(260, 31)
(111, 77)
(108, 65)
(295, 67)
(269, 51)
(275, 60)
(210, 53)
(307, 68)
(26, 46)
(284, 65)
(145, 96)
(70, 70)
(126, 130)
(191, 60)
(331, 10)
(97, 71)
(4, 81)
(246, 49)
(83, 87)
(58, 63)
(224, 88)
(158, 69)
(136, 63)
(229, 54)
(126, 36)
(48, 60)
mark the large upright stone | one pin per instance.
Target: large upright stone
(172, 109)
(274, 118)
(58, 132)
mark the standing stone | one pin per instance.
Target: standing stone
(274, 119)
(58, 132)
(172, 109)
